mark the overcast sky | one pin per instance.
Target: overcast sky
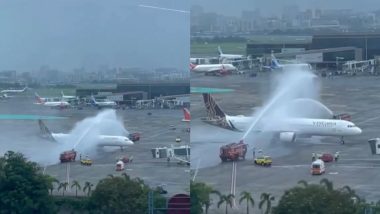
(68, 34)
(270, 7)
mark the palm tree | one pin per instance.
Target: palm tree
(77, 186)
(140, 182)
(228, 199)
(248, 197)
(63, 186)
(208, 202)
(266, 198)
(328, 184)
(51, 181)
(87, 186)
(126, 176)
(303, 183)
(351, 192)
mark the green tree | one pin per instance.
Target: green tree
(266, 198)
(63, 186)
(328, 184)
(303, 183)
(200, 197)
(51, 182)
(227, 199)
(120, 195)
(316, 199)
(23, 188)
(87, 187)
(77, 186)
(247, 196)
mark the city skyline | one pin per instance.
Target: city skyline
(273, 7)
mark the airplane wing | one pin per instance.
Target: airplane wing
(45, 132)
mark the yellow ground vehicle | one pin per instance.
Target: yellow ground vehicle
(263, 160)
(86, 162)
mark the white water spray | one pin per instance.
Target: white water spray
(290, 85)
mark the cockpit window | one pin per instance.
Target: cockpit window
(351, 126)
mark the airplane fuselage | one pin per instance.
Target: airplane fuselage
(211, 67)
(306, 126)
(101, 140)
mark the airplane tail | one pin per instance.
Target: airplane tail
(213, 110)
(45, 132)
(187, 116)
(215, 115)
(192, 66)
(62, 94)
(220, 50)
(93, 101)
(38, 98)
(274, 62)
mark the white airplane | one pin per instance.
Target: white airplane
(102, 140)
(66, 97)
(223, 56)
(13, 90)
(286, 129)
(213, 69)
(275, 65)
(46, 102)
(101, 104)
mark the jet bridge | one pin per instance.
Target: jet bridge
(180, 153)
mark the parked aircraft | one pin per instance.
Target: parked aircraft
(47, 102)
(285, 129)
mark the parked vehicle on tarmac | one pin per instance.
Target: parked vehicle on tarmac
(318, 167)
(263, 161)
(233, 151)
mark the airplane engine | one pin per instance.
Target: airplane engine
(287, 136)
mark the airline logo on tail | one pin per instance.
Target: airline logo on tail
(215, 113)
(274, 62)
(187, 116)
(93, 101)
(192, 66)
(39, 99)
(45, 132)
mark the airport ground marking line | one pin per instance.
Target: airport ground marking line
(368, 120)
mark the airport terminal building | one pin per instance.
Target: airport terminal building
(132, 91)
(322, 50)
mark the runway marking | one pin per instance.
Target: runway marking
(161, 133)
(335, 166)
(368, 120)
(360, 160)
(333, 173)
(328, 94)
(352, 89)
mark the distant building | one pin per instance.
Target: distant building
(367, 43)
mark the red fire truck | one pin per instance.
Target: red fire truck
(68, 156)
(343, 116)
(134, 136)
(233, 151)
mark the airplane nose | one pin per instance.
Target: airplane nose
(358, 130)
